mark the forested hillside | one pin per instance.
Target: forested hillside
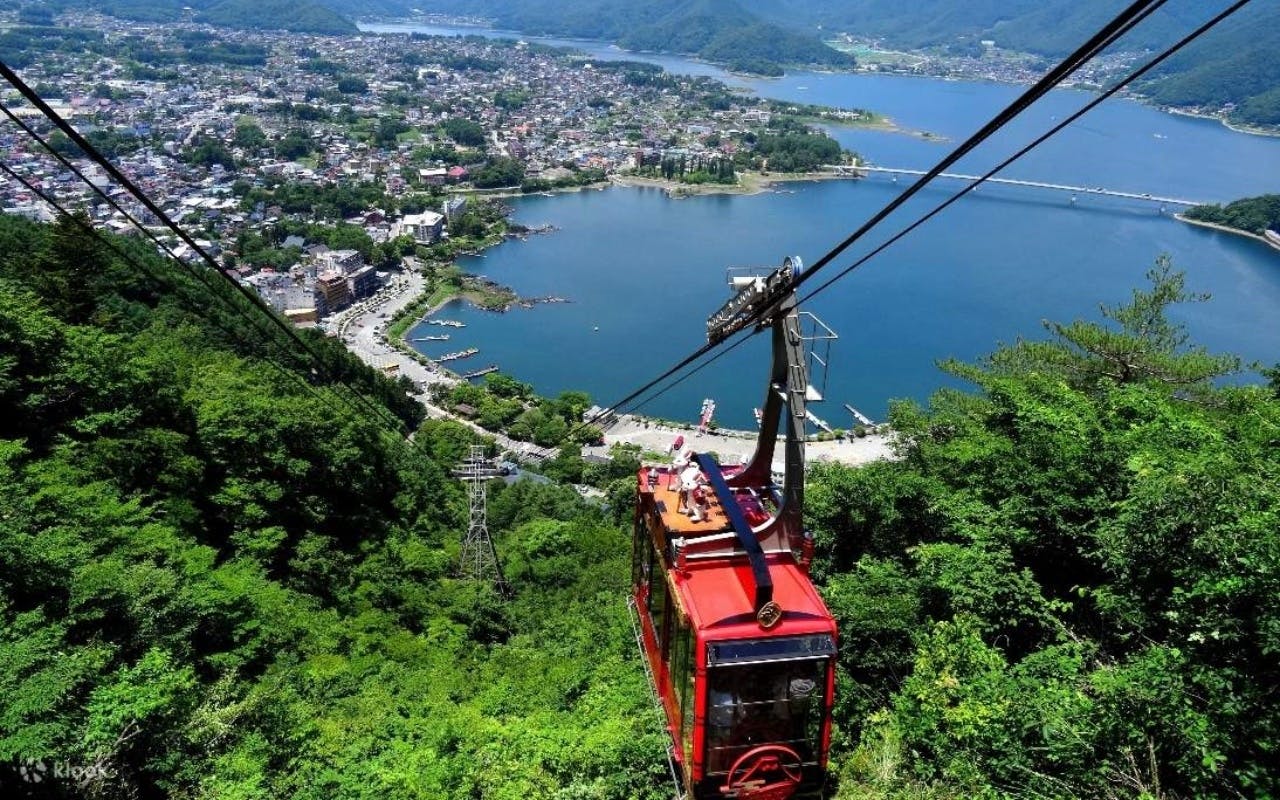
(218, 581)
(1067, 586)
(721, 30)
(300, 16)
(1253, 214)
(1239, 64)
(1052, 27)
(1235, 64)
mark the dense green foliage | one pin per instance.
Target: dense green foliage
(1067, 584)
(798, 152)
(498, 172)
(300, 16)
(505, 405)
(1253, 214)
(218, 581)
(1236, 64)
(576, 177)
(464, 131)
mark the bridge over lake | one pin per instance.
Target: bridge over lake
(1061, 187)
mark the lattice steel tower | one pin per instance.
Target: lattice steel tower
(479, 557)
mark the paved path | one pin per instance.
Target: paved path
(362, 329)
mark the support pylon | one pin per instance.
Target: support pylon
(479, 559)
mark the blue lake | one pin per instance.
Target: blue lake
(644, 271)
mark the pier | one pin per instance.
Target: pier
(468, 353)
(450, 323)
(480, 372)
(1060, 187)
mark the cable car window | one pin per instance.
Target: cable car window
(658, 598)
(682, 675)
(749, 705)
(639, 553)
(747, 650)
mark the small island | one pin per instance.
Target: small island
(1255, 217)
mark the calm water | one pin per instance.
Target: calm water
(646, 270)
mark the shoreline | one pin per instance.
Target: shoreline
(751, 183)
(1227, 229)
(653, 434)
(1247, 130)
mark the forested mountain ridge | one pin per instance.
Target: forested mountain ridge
(1235, 66)
(299, 16)
(720, 30)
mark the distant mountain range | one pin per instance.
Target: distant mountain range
(1237, 65)
(300, 16)
(719, 30)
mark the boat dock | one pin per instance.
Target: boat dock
(468, 353)
(443, 338)
(450, 323)
(481, 372)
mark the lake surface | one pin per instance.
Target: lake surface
(644, 271)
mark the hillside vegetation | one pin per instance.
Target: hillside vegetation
(1254, 214)
(720, 30)
(299, 16)
(1066, 586)
(1234, 66)
(218, 581)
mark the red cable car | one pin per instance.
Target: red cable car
(738, 643)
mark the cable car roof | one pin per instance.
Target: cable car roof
(719, 601)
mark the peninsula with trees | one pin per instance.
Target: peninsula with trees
(1255, 217)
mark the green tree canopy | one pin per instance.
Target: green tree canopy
(1066, 581)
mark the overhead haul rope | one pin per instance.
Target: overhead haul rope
(1113, 30)
(94, 155)
(1092, 104)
